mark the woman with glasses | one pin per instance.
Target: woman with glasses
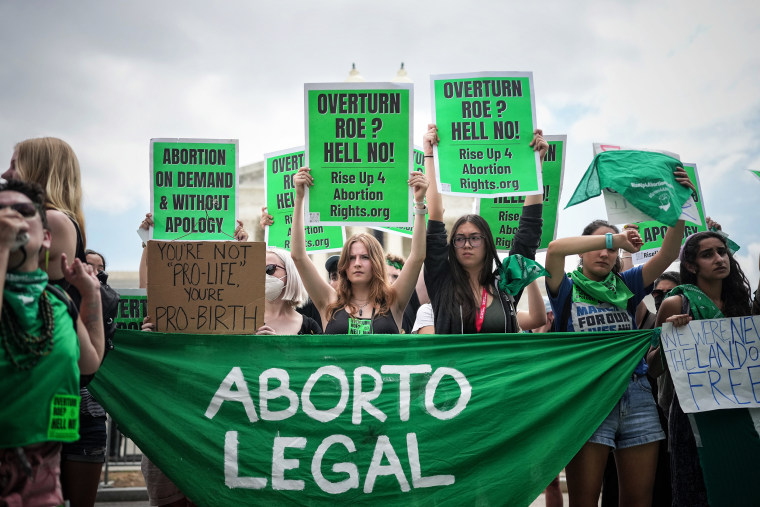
(459, 274)
(284, 292)
(363, 302)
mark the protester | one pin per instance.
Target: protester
(52, 164)
(364, 302)
(713, 287)
(44, 349)
(284, 293)
(460, 275)
(96, 260)
(632, 428)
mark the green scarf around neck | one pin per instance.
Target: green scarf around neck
(610, 290)
(22, 293)
(701, 305)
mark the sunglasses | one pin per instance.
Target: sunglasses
(271, 268)
(25, 209)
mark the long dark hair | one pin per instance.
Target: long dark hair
(462, 289)
(735, 292)
(593, 226)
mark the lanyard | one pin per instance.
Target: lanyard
(482, 312)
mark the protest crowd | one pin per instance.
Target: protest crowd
(55, 331)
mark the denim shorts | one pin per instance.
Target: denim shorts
(633, 421)
(91, 446)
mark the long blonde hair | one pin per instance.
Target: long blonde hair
(380, 292)
(52, 164)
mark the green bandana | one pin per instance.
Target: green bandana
(517, 272)
(701, 306)
(394, 264)
(610, 290)
(22, 292)
(644, 178)
(733, 247)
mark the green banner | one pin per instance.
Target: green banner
(194, 188)
(281, 167)
(132, 308)
(386, 419)
(419, 165)
(503, 213)
(653, 232)
(485, 123)
(359, 149)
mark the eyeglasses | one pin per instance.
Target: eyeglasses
(25, 209)
(271, 268)
(475, 241)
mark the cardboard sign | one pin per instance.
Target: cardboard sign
(485, 124)
(715, 363)
(133, 307)
(359, 149)
(503, 213)
(206, 287)
(194, 188)
(281, 167)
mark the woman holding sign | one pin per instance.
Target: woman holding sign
(714, 287)
(596, 289)
(459, 274)
(364, 302)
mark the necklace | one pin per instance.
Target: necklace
(361, 307)
(24, 344)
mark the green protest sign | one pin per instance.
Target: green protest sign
(387, 419)
(281, 167)
(132, 308)
(359, 149)
(419, 165)
(503, 213)
(485, 123)
(194, 188)
(653, 232)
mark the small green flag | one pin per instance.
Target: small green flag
(644, 178)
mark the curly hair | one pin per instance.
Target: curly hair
(462, 288)
(379, 290)
(735, 292)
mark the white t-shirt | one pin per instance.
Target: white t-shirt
(424, 317)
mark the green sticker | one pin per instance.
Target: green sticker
(503, 213)
(281, 167)
(194, 185)
(485, 124)
(359, 326)
(64, 417)
(359, 150)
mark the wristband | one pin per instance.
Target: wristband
(427, 156)
(421, 203)
(608, 237)
(421, 211)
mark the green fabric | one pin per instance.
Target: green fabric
(535, 400)
(644, 178)
(517, 272)
(27, 396)
(701, 306)
(22, 291)
(611, 290)
(732, 246)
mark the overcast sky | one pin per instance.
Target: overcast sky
(109, 76)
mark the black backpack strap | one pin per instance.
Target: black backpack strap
(70, 306)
